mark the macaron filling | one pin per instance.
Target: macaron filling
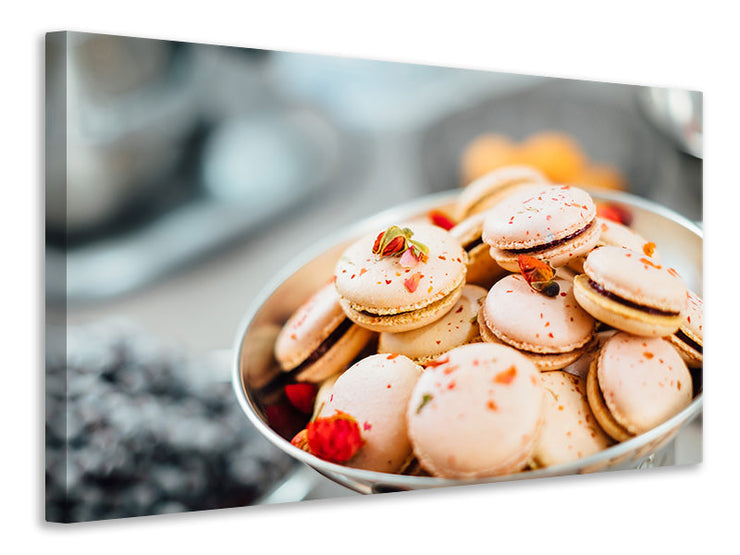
(325, 345)
(647, 309)
(551, 244)
(681, 336)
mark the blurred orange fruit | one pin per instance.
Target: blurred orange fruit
(486, 153)
(555, 154)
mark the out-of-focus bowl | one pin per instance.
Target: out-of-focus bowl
(255, 371)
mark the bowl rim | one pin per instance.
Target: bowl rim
(407, 482)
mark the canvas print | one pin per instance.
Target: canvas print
(275, 277)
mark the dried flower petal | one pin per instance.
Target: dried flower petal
(540, 275)
(395, 240)
(301, 396)
(649, 248)
(424, 400)
(334, 438)
(412, 282)
(409, 259)
(441, 219)
(614, 212)
(300, 440)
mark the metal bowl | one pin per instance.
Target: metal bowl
(678, 240)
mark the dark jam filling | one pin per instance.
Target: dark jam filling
(327, 344)
(690, 342)
(650, 310)
(552, 244)
(470, 246)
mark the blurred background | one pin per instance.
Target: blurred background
(181, 177)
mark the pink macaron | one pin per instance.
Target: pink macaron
(636, 383)
(556, 223)
(630, 291)
(550, 331)
(318, 339)
(382, 287)
(571, 431)
(476, 413)
(689, 338)
(375, 392)
(458, 327)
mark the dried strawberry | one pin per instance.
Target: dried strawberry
(334, 438)
(540, 275)
(301, 396)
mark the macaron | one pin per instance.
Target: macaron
(618, 235)
(477, 412)
(570, 431)
(318, 339)
(458, 327)
(631, 292)
(481, 268)
(489, 189)
(375, 391)
(636, 383)
(550, 331)
(556, 223)
(395, 290)
(689, 338)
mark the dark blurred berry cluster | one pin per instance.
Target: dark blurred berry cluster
(134, 428)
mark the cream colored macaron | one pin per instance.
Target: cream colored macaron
(631, 292)
(689, 339)
(375, 392)
(550, 331)
(556, 223)
(571, 431)
(476, 413)
(489, 189)
(458, 327)
(318, 339)
(393, 293)
(481, 268)
(636, 383)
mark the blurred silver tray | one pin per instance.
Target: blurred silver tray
(679, 241)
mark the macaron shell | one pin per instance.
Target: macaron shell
(404, 321)
(620, 316)
(476, 413)
(617, 235)
(481, 268)
(338, 356)
(636, 277)
(532, 321)
(598, 406)
(380, 285)
(693, 327)
(557, 256)
(490, 188)
(532, 218)
(457, 327)
(644, 381)
(570, 431)
(308, 327)
(375, 391)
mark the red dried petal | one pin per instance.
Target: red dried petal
(397, 244)
(335, 438)
(302, 396)
(534, 270)
(506, 376)
(412, 282)
(614, 212)
(441, 219)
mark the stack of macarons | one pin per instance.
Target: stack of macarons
(531, 333)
